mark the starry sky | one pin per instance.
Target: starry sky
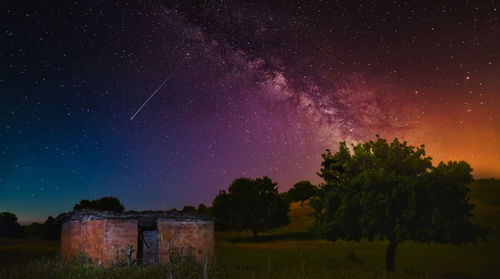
(257, 88)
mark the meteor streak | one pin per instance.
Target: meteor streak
(156, 91)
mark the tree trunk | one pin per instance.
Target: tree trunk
(255, 233)
(390, 265)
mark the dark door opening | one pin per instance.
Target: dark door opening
(147, 245)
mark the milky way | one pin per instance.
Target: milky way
(260, 88)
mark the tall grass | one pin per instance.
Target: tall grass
(55, 268)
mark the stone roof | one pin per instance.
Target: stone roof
(141, 216)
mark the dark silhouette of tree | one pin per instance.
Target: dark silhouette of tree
(202, 209)
(105, 203)
(250, 204)
(33, 230)
(189, 208)
(284, 197)
(49, 230)
(9, 226)
(392, 191)
(301, 191)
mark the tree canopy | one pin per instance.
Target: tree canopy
(391, 191)
(202, 209)
(189, 208)
(105, 203)
(9, 226)
(50, 230)
(251, 204)
(301, 191)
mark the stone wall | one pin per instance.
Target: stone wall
(99, 240)
(194, 236)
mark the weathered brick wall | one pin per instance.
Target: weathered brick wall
(91, 236)
(182, 236)
(118, 234)
(100, 240)
(70, 239)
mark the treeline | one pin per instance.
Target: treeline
(10, 228)
(51, 230)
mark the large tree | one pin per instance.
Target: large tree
(391, 191)
(251, 204)
(9, 226)
(301, 191)
(105, 203)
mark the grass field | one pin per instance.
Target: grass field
(292, 252)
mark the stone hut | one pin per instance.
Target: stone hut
(102, 236)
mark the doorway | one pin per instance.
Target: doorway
(147, 245)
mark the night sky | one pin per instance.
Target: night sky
(257, 89)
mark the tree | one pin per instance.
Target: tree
(189, 208)
(301, 191)
(9, 226)
(50, 230)
(251, 204)
(105, 203)
(33, 230)
(392, 191)
(202, 209)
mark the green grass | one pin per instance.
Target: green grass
(292, 252)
